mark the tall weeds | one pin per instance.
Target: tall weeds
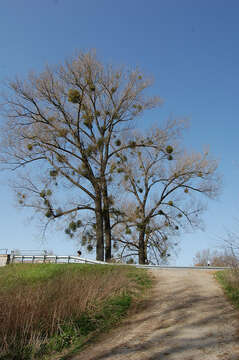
(31, 314)
(229, 279)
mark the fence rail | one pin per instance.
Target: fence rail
(29, 252)
(56, 259)
(3, 251)
(67, 259)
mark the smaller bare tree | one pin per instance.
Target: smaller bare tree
(164, 185)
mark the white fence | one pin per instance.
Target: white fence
(4, 259)
(3, 251)
(63, 259)
(55, 259)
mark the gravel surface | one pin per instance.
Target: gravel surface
(186, 318)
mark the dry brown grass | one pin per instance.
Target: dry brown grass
(34, 312)
(232, 277)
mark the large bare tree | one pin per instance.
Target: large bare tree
(63, 126)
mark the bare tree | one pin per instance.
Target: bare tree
(231, 245)
(202, 258)
(63, 125)
(215, 258)
(164, 186)
(159, 244)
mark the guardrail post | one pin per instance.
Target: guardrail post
(4, 259)
(8, 259)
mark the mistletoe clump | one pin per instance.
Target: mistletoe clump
(132, 144)
(128, 231)
(118, 142)
(72, 227)
(74, 96)
(53, 173)
(169, 149)
(89, 248)
(48, 214)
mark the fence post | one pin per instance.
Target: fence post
(8, 259)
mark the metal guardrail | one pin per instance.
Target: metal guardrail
(67, 259)
(28, 252)
(3, 251)
(57, 259)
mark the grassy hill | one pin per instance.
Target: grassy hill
(46, 308)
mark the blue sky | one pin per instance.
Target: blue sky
(189, 47)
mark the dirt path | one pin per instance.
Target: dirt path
(187, 318)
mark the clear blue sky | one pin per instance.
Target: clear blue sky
(191, 48)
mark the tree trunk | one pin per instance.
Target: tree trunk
(142, 254)
(145, 252)
(107, 227)
(99, 229)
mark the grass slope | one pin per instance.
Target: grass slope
(46, 308)
(229, 279)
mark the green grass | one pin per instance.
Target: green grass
(29, 274)
(140, 277)
(230, 283)
(51, 308)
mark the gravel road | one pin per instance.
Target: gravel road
(186, 318)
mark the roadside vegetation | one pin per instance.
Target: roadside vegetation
(224, 257)
(46, 308)
(229, 280)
